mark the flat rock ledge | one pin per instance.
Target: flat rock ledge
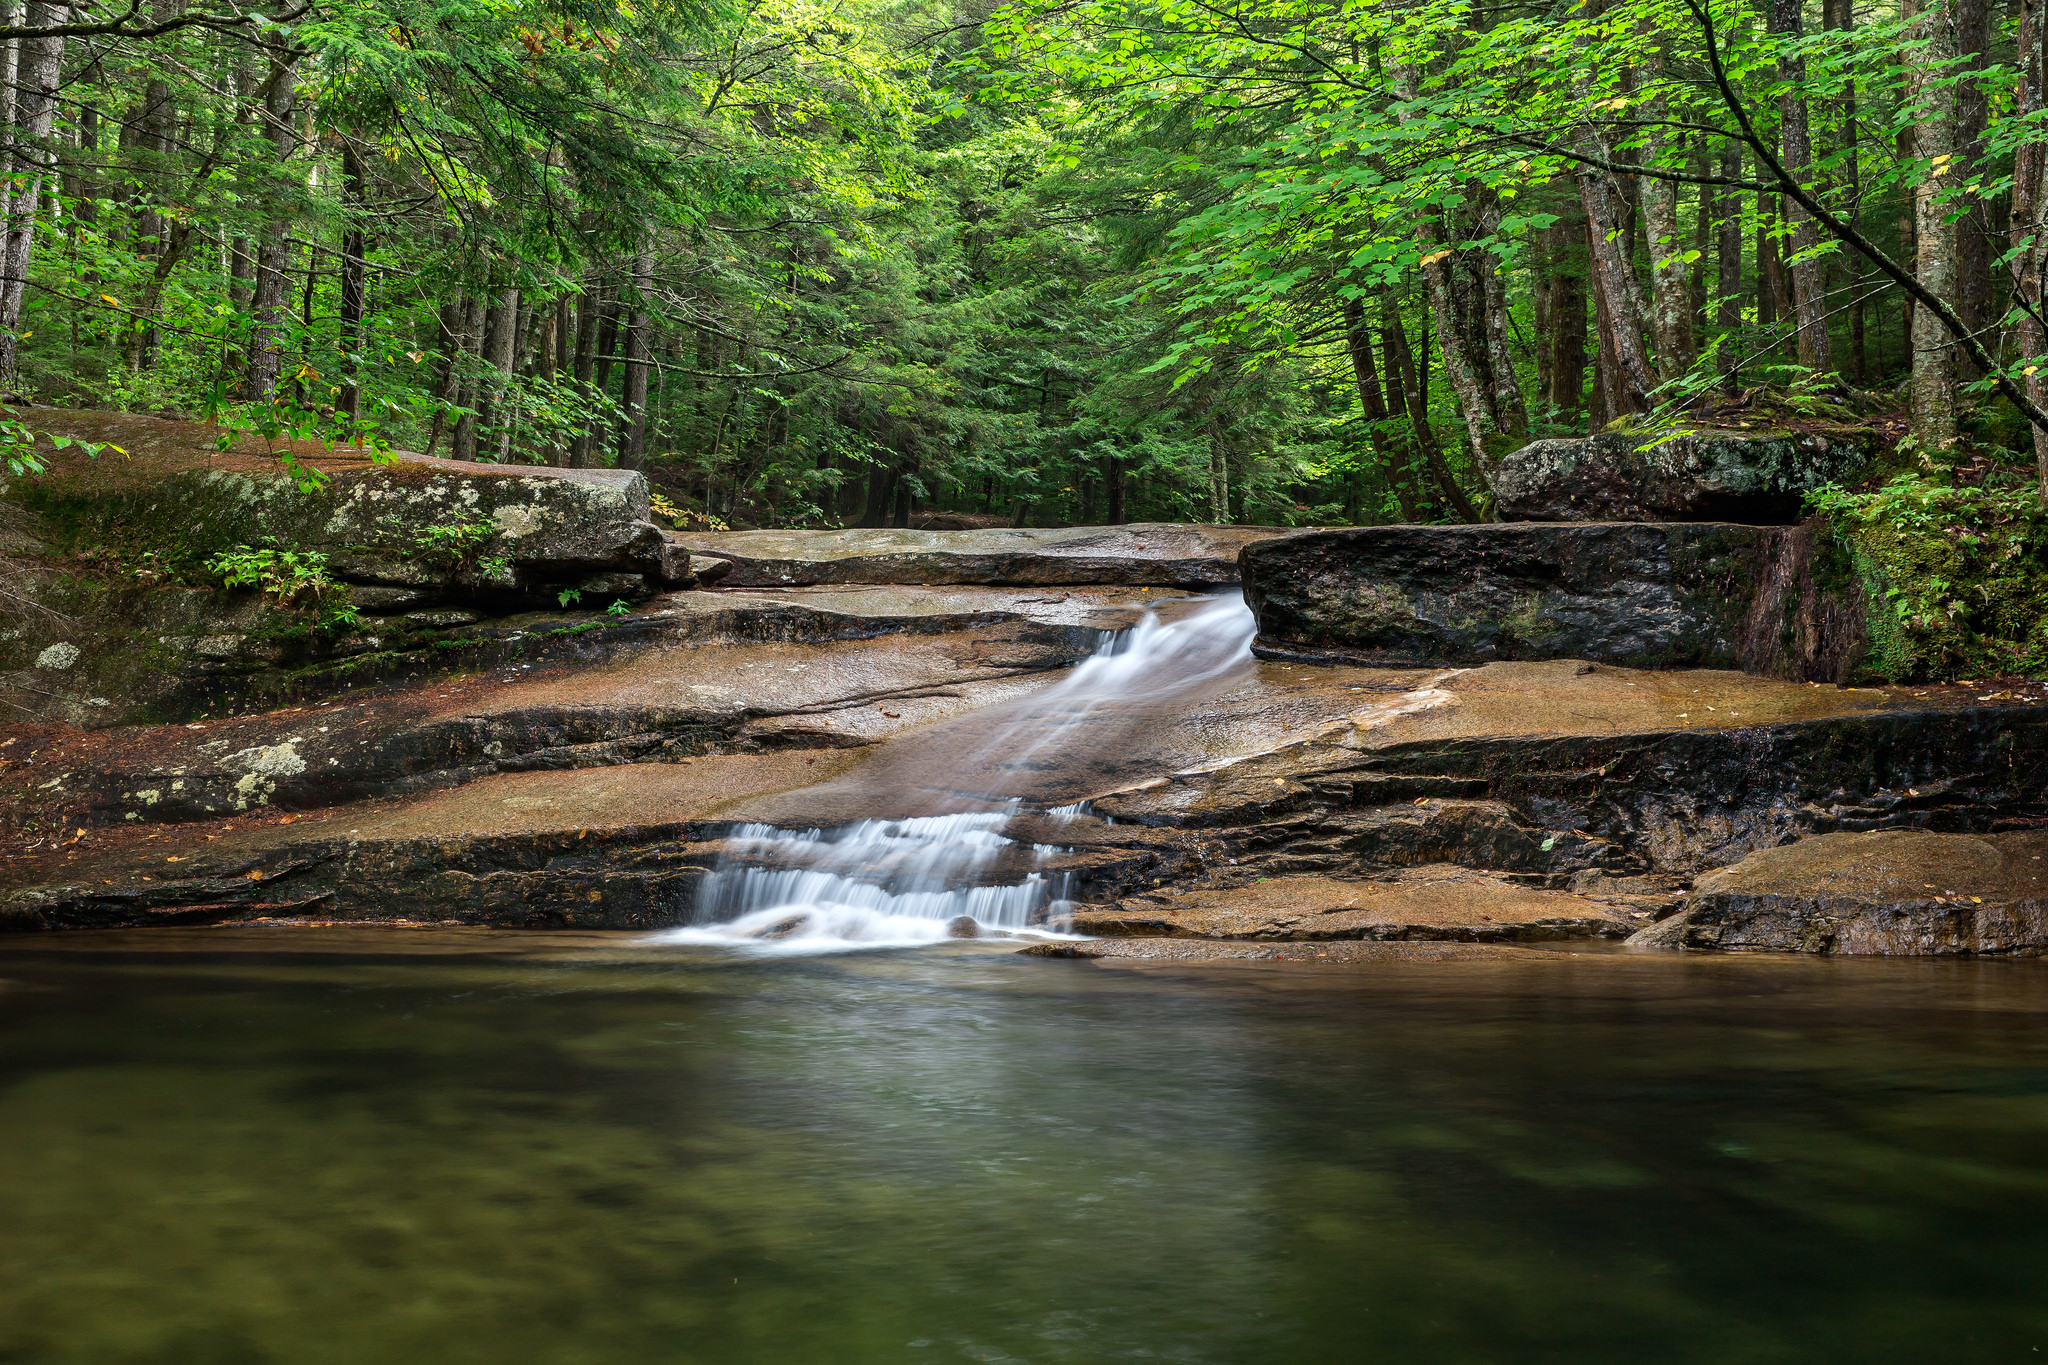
(1881, 893)
(1142, 554)
(1434, 903)
(1641, 595)
(1755, 477)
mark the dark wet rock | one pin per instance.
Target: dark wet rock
(1890, 892)
(1753, 477)
(1686, 595)
(1140, 554)
(789, 926)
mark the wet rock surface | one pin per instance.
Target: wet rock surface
(1752, 477)
(557, 772)
(1435, 902)
(1648, 596)
(1154, 554)
(1889, 892)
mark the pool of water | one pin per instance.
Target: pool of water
(224, 1147)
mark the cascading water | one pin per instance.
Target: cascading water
(924, 878)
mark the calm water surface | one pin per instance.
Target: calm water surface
(228, 1147)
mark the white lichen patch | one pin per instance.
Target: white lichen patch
(261, 768)
(58, 656)
(516, 520)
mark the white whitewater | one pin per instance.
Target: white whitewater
(903, 882)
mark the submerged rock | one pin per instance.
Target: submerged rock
(1886, 892)
(1759, 478)
(1140, 554)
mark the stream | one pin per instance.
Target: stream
(947, 868)
(357, 1147)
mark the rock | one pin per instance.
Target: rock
(1647, 596)
(1886, 892)
(1145, 553)
(708, 568)
(439, 526)
(963, 926)
(1758, 478)
(789, 926)
(603, 588)
(386, 599)
(1433, 903)
(446, 616)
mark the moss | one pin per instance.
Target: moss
(1956, 578)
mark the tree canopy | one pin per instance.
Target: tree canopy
(827, 262)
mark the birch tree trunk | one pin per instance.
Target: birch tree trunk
(1934, 142)
(40, 69)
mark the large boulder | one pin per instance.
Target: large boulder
(1151, 554)
(1887, 892)
(1755, 477)
(1645, 595)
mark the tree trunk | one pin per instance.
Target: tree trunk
(587, 309)
(1670, 280)
(1809, 285)
(633, 432)
(274, 251)
(1401, 363)
(40, 69)
(1934, 142)
(354, 300)
(1841, 15)
(1219, 473)
(2030, 219)
(1372, 403)
(1614, 284)
(1728, 263)
(1565, 293)
(1974, 293)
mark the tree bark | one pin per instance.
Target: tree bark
(2029, 233)
(274, 250)
(354, 298)
(1372, 404)
(1841, 16)
(1809, 283)
(40, 69)
(1565, 305)
(1401, 363)
(1728, 253)
(1670, 283)
(1974, 287)
(1934, 142)
(633, 432)
(587, 310)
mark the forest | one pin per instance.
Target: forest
(941, 262)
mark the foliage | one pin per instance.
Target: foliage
(1956, 577)
(459, 545)
(296, 580)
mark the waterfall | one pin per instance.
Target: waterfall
(956, 873)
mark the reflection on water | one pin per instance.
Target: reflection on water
(228, 1147)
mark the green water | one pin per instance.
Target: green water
(225, 1147)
